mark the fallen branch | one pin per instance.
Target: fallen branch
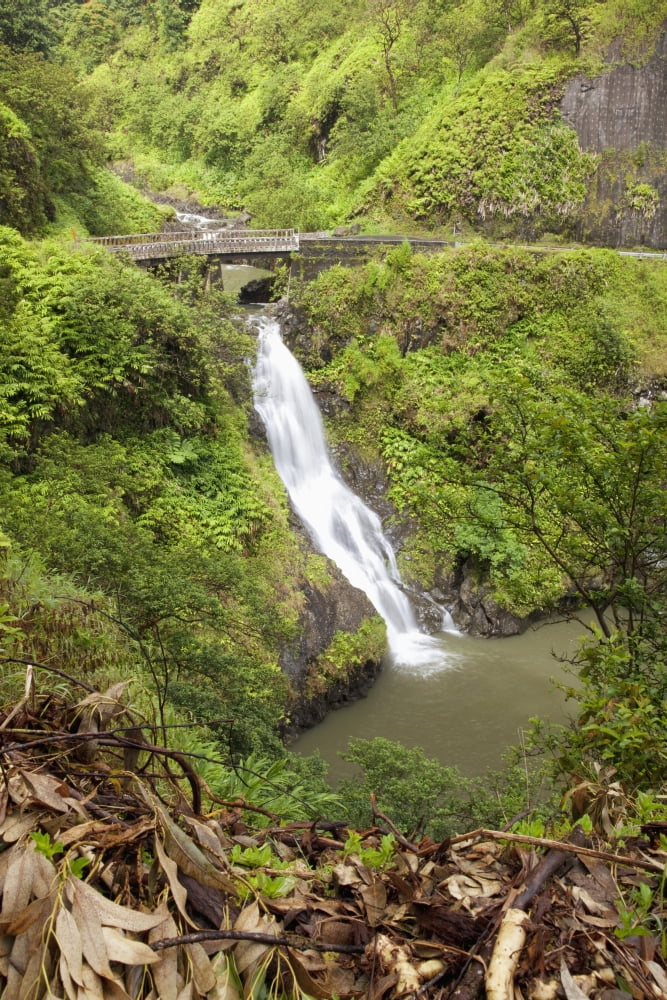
(588, 852)
(293, 941)
(499, 980)
(547, 867)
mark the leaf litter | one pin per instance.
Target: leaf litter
(117, 884)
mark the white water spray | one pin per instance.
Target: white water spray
(341, 526)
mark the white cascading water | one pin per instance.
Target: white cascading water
(341, 526)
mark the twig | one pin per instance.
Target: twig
(237, 804)
(293, 941)
(399, 836)
(52, 670)
(588, 852)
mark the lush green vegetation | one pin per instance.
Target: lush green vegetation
(52, 174)
(422, 115)
(126, 469)
(495, 385)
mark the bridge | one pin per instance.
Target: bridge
(153, 247)
(317, 251)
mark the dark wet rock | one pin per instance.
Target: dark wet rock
(336, 607)
(474, 610)
(258, 290)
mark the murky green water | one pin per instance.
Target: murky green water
(235, 276)
(465, 714)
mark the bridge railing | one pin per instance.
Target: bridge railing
(248, 237)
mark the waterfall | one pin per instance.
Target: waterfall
(340, 525)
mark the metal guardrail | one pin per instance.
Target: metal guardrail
(148, 246)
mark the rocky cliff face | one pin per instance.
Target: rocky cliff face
(317, 688)
(622, 116)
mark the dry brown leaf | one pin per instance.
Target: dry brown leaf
(164, 970)
(207, 836)
(606, 923)
(38, 968)
(304, 978)
(658, 974)
(6, 859)
(202, 973)
(5, 951)
(46, 790)
(593, 905)
(466, 888)
(17, 887)
(572, 991)
(189, 858)
(69, 942)
(87, 919)
(346, 875)
(375, 902)
(112, 914)
(38, 911)
(44, 875)
(170, 869)
(25, 962)
(125, 950)
(113, 990)
(18, 825)
(83, 832)
(337, 930)
(97, 709)
(70, 987)
(247, 954)
(92, 988)
(340, 981)
(187, 992)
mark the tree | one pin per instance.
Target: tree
(91, 35)
(25, 27)
(510, 11)
(461, 30)
(580, 481)
(583, 480)
(57, 139)
(388, 18)
(571, 13)
(21, 186)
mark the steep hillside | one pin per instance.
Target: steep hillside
(420, 117)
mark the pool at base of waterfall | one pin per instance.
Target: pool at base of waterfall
(465, 711)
